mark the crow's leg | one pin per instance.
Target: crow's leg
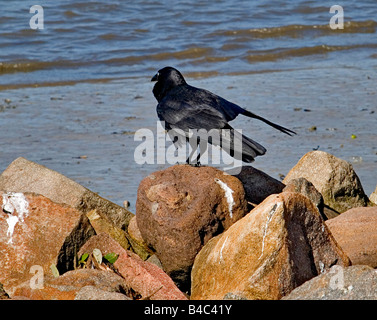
(201, 147)
(196, 163)
(194, 143)
(176, 145)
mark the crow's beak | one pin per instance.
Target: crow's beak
(155, 77)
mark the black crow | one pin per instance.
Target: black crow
(184, 107)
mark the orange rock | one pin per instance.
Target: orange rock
(34, 231)
(23, 175)
(179, 209)
(279, 245)
(356, 232)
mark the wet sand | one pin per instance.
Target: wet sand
(86, 131)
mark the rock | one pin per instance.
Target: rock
(355, 232)
(305, 187)
(3, 294)
(138, 244)
(257, 184)
(232, 296)
(36, 232)
(351, 283)
(279, 245)
(27, 176)
(334, 178)
(69, 286)
(153, 259)
(144, 278)
(373, 197)
(179, 209)
(93, 293)
(101, 224)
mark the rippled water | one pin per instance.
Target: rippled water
(77, 90)
(118, 39)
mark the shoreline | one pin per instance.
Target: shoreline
(57, 125)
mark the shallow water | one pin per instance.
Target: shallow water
(114, 39)
(80, 88)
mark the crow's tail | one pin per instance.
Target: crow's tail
(276, 126)
(239, 146)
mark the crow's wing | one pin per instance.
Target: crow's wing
(191, 99)
(187, 107)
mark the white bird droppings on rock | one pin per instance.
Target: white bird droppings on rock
(221, 250)
(16, 205)
(268, 220)
(228, 195)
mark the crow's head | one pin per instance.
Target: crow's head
(167, 78)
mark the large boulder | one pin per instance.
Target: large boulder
(26, 176)
(279, 245)
(334, 178)
(37, 232)
(179, 209)
(356, 232)
(338, 283)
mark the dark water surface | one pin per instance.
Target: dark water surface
(73, 94)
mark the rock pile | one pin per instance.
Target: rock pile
(179, 209)
(46, 222)
(198, 233)
(334, 178)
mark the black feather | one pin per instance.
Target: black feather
(185, 107)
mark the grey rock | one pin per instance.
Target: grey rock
(350, 283)
(93, 293)
(334, 178)
(257, 184)
(23, 175)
